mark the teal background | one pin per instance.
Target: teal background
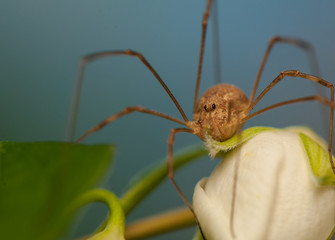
(42, 41)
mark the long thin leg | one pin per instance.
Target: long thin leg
(288, 40)
(202, 48)
(233, 199)
(216, 43)
(73, 111)
(318, 98)
(171, 138)
(295, 73)
(234, 192)
(125, 111)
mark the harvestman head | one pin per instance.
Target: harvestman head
(221, 111)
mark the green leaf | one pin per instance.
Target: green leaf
(40, 181)
(319, 161)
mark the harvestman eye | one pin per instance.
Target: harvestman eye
(237, 97)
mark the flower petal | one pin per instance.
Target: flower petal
(276, 196)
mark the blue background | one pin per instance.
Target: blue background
(42, 41)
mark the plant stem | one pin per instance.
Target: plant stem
(147, 182)
(161, 223)
(114, 224)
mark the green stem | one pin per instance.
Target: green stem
(115, 223)
(155, 175)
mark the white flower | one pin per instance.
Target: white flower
(277, 195)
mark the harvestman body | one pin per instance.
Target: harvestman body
(223, 109)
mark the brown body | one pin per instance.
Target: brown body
(219, 112)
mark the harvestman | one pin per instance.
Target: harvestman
(222, 109)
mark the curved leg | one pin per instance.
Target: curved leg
(295, 73)
(73, 110)
(202, 48)
(288, 40)
(171, 138)
(125, 111)
(318, 98)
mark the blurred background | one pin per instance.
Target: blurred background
(42, 41)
